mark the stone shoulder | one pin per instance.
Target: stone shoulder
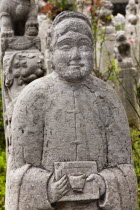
(104, 90)
(36, 90)
(99, 85)
(107, 97)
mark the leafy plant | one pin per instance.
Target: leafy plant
(135, 136)
(2, 140)
(2, 178)
(2, 156)
(54, 7)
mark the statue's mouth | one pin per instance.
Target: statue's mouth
(76, 65)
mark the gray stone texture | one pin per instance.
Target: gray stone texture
(19, 69)
(70, 126)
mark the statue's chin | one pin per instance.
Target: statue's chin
(73, 75)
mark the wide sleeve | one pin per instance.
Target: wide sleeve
(119, 175)
(121, 188)
(26, 178)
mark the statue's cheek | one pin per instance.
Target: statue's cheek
(60, 56)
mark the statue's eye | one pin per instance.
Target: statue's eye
(85, 45)
(65, 44)
(16, 64)
(65, 47)
(24, 64)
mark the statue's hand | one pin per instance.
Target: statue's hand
(100, 181)
(58, 189)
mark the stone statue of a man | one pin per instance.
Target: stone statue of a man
(71, 147)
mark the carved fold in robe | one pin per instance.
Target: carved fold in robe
(58, 121)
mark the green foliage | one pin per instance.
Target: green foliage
(120, 27)
(135, 136)
(2, 178)
(2, 141)
(54, 7)
(63, 5)
(2, 156)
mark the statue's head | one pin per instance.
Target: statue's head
(121, 36)
(105, 13)
(71, 44)
(107, 4)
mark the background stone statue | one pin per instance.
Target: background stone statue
(122, 50)
(18, 17)
(22, 61)
(127, 79)
(105, 13)
(107, 30)
(131, 12)
(70, 146)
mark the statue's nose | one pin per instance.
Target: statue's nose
(75, 54)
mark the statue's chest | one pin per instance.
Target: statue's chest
(73, 130)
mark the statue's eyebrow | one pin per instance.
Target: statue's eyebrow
(69, 39)
(61, 41)
(87, 39)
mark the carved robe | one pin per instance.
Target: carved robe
(58, 121)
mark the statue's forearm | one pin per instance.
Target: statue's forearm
(120, 188)
(30, 189)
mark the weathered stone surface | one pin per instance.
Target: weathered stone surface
(17, 43)
(19, 69)
(68, 119)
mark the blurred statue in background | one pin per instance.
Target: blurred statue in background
(18, 17)
(22, 61)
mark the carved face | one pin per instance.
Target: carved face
(72, 51)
